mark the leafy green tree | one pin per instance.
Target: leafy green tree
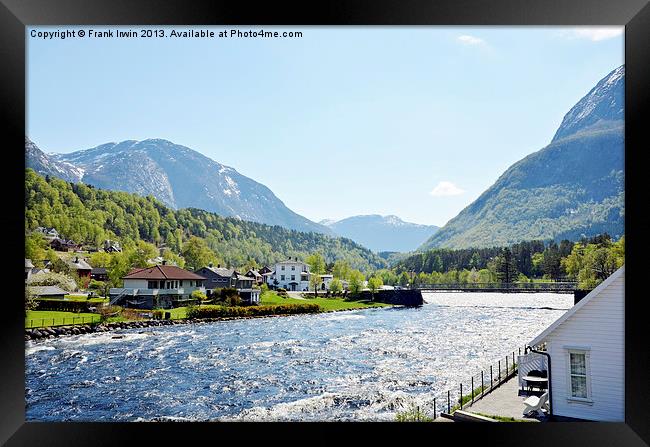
(316, 263)
(197, 253)
(341, 269)
(336, 286)
(356, 281)
(315, 282)
(374, 284)
(30, 301)
(35, 246)
(404, 279)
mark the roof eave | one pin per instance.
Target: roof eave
(545, 333)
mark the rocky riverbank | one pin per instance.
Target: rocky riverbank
(62, 331)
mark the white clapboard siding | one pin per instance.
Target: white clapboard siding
(597, 325)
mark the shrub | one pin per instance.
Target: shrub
(282, 292)
(264, 287)
(158, 314)
(198, 295)
(250, 311)
(414, 414)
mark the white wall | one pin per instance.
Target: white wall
(599, 326)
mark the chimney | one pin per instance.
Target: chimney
(76, 260)
(218, 266)
(210, 265)
(164, 262)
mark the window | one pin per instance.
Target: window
(293, 277)
(282, 268)
(578, 381)
(282, 277)
(293, 267)
(152, 284)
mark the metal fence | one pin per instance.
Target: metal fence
(61, 321)
(477, 385)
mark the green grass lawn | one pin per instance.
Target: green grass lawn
(327, 304)
(47, 318)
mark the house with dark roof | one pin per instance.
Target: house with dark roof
(256, 276)
(99, 274)
(218, 277)
(59, 244)
(164, 286)
(80, 266)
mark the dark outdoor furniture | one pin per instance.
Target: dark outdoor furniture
(536, 379)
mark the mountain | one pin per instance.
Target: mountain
(176, 175)
(573, 187)
(90, 215)
(42, 163)
(382, 233)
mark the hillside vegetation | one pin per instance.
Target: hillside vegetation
(89, 215)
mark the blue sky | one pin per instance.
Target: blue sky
(411, 121)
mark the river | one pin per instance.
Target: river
(356, 365)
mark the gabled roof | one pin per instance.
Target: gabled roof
(78, 264)
(590, 296)
(46, 290)
(99, 270)
(162, 272)
(221, 271)
(255, 273)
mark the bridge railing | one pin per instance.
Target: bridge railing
(566, 285)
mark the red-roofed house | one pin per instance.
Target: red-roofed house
(163, 286)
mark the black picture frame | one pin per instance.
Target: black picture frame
(15, 15)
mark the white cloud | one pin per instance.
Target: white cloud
(594, 34)
(445, 189)
(470, 40)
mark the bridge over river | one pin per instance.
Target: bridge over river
(542, 287)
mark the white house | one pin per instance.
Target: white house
(290, 275)
(587, 351)
(158, 286)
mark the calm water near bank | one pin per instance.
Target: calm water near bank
(358, 365)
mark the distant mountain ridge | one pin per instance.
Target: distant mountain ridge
(382, 233)
(176, 175)
(573, 187)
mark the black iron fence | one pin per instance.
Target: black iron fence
(478, 385)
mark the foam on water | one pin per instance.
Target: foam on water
(361, 365)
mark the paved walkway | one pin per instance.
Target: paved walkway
(507, 400)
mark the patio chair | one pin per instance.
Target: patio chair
(535, 404)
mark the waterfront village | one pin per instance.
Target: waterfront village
(162, 285)
(585, 380)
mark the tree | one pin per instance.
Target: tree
(336, 286)
(356, 281)
(341, 269)
(374, 284)
(315, 282)
(506, 272)
(404, 279)
(197, 254)
(30, 300)
(35, 246)
(316, 263)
